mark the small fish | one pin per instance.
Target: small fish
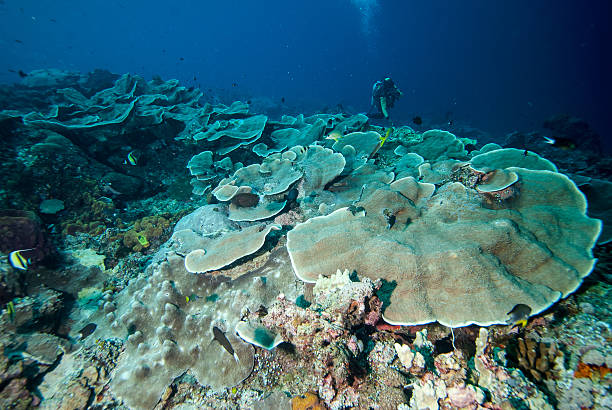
(283, 100)
(449, 119)
(10, 309)
(194, 78)
(182, 59)
(356, 209)
(562, 143)
(19, 41)
(383, 139)
(390, 217)
(417, 120)
(334, 135)
(22, 74)
(18, 261)
(220, 337)
(87, 330)
(132, 158)
(519, 315)
(248, 101)
(234, 85)
(143, 240)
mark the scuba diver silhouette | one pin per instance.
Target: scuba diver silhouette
(384, 94)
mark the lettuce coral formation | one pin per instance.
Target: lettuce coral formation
(450, 259)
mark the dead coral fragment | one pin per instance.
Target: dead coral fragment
(496, 181)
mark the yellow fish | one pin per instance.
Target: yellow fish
(519, 315)
(334, 135)
(143, 241)
(10, 309)
(132, 159)
(383, 139)
(521, 323)
(17, 260)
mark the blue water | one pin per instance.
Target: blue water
(498, 66)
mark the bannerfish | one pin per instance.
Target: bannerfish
(562, 143)
(87, 330)
(519, 315)
(132, 159)
(18, 261)
(220, 337)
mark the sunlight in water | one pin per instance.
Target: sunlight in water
(367, 8)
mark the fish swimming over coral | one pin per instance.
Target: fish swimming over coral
(132, 158)
(220, 337)
(559, 142)
(519, 315)
(18, 261)
(87, 330)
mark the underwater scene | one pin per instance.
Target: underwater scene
(332, 204)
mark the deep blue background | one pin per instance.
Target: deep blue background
(497, 65)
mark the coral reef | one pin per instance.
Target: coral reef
(308, 263)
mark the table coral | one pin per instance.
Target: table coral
(451, 259)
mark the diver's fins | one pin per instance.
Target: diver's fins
(383, 106)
